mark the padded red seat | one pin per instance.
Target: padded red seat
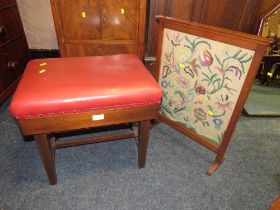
(64, 94)
(65, 85)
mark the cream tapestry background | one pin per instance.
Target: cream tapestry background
(202, 80)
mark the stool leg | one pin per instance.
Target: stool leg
(45, 150)
(143, 135)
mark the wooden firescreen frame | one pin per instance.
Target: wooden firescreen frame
(253, 48)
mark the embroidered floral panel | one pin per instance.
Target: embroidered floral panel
(202, 80)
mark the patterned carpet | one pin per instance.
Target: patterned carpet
(105, 176)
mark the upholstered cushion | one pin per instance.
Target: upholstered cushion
(66, 85)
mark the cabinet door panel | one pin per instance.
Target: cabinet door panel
(7, 2)
(12, 63)
(80, 19)
(10, 24)
(1, 86)
(100, 49)
(119, 19)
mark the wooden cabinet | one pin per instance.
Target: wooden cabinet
(238, 15)
(13, 48)
(235, 15)
(6, 2)
(100, 27)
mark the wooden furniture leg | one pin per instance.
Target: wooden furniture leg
(143, 135)
(276, 204)
(47, 157)
(214, 166)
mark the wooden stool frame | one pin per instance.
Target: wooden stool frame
(42, 128)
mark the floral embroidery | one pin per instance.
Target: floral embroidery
(200, 89)
(202, 80)
(164, 84)
(218, 122)
(194, 66)
(182, 82)
(206, 58)
(219, 71)
(200, 114)
(224, 105)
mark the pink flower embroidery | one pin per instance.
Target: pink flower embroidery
(200, 89)
(224, 106)
(177, 38)
(182, 82)
(168, 56)
(219, 70)
(206, 58)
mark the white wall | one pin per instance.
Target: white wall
(37, 19)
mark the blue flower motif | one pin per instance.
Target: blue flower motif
(218, 122)
(164, 84)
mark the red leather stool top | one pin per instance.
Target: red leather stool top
(66, 85)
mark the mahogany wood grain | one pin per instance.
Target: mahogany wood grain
(13, 48)
(264, 7)
(47, 157)
(198, 7)
(4, 3)
(180, 9)
(157, 7)
(247, 16)
(95, 48)
(255, 43)
(75, 121)
(90, 140)
(143, 134)
(97, 22)
(238, 15)
(276, 204)
(214, 166)
(80, 21)
(222, 13)
(1, 87)
(141, 29)
(58, 27)
(42, 127)
(10, 21)
(12, 63)
(6, 92)
(119, 19)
